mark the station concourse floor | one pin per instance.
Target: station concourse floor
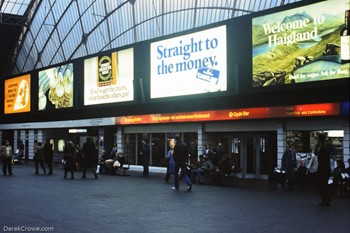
(37, 203)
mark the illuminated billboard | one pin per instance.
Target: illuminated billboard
(109, 78)
(56, 89)
(17, 94)
(301, 45)
(190, 64)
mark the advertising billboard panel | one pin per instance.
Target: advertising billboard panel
(109, 78)
(191, 64)
(299, 45)
(17, 94)
(56, 87)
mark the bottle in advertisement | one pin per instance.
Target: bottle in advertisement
(345, 39)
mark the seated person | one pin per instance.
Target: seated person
(203, 169)
(112, 164)
(196, 172)
(222, 169)
(301, 174)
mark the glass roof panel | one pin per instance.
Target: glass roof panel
(68, 29)
(15, 7)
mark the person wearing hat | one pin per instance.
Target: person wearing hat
(7, 156)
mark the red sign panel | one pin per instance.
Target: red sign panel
(306, 110)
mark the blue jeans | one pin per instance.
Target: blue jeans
(184, 175)
(197, 175)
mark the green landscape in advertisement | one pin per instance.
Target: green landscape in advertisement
(299, 45)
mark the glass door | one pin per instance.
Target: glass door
(159, 148)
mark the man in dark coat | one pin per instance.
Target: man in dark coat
(180, 157)
(289, 164)
(145, 157)
(48, 155)
(323, 151)
(90, 157)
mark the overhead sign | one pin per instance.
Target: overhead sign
(109, 78)
(56, 87)
(306, 110)
(17, 94)
(300, 45)
(189, 64)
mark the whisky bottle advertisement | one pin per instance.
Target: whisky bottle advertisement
(109, 78)
(304, 44)
(345, 39)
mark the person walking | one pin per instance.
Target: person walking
(39, 158)
(180, 156)
(170, 163)
(323, 151)
(7, 156)
(289, 164)
(90, 157)
(144, 157)
(48, 155)
(69, 157)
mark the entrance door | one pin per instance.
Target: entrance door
(257, 152)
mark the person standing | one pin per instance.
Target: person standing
(144, 157)
(20, 148)
(39, 158)
(7, 156)
(323, 151)
(289, 164)
(312, 168)
(48, 155)
(180, 156)
(69, 157)
(90, 157)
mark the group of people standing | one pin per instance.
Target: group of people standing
(319, 166)
(87, 158)
(214, 162)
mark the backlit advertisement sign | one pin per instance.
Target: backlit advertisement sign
(190, 64)
(17, 94)
(109, 78)
(305, 110)
(301, 45)
(56, 89)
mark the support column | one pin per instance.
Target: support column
(119, 139)
(281, 143)
(200, 145)
(346, 142)
(101, 136)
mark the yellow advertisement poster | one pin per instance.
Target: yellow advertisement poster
(17, 95)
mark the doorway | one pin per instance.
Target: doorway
(256, 153)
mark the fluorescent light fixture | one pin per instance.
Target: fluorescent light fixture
(77, 130)
(335, 133)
